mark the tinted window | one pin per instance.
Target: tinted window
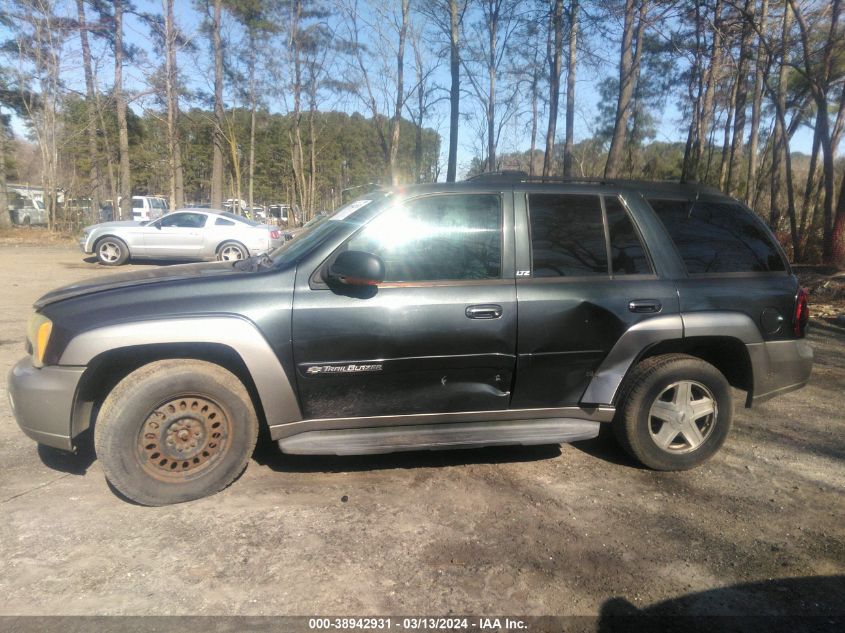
(223, 222)
(718, 237)
(448, 237)
(627, 254)
(137, 203)
(567, 235)
(184, 220)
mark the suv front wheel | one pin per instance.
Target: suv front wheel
(675, 412)
(175, 430)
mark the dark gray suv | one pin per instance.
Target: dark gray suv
(496, 311)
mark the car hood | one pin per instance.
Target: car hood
(158, 274)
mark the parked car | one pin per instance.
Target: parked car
(498, 311)
(30, 213)
(184, 234)
(145, 208)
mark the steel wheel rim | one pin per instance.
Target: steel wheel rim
(109, 251)
(682, 417)
(183, 438)
(231, 253)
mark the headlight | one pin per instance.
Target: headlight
(37, 336)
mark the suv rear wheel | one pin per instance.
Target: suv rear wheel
(675, 412)
(175, 430)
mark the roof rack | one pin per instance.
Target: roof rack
(522, 177)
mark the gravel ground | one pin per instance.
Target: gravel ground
(575, 530)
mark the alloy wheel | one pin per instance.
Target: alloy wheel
(682, 417)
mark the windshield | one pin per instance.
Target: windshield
(323, 227)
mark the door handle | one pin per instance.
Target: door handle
(645, 305)
(487, 311)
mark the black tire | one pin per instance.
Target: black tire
(232, 251)
(658, 377)
(175, 430)
(111, 251)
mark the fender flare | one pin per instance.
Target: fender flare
(272, 383)
(607, 379)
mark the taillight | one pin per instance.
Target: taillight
(802, 312)
(274, 234)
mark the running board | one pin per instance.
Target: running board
(374, 440)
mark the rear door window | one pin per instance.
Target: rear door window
(567, 235)
(718, 237)
(627, 254)
(437, 238)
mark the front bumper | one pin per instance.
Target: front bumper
(779, 367)
(42, 401)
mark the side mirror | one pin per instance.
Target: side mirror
(357, 268)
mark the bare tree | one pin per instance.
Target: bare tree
(571, 68)
(171, 83)
(448, 17)
(218, 139)
(756, 108)
(400, 92)
(819, 77)
(124, 186)
(629, 74)
(39, 44)
(741, 98)
(424, 92)
(91, 108)
(489, 46)
(555, 64)
(5, 220)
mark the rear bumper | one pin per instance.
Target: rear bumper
(42, 401)
(779, 367)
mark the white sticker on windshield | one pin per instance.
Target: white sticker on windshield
(349, 209)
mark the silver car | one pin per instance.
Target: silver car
(184, 234)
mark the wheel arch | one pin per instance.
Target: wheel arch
(230, 241)
(100, 238)
(719, 338)
(728, 354)
(110, 353)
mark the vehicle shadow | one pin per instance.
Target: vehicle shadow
(92, 259)
(267, 454)
(71, 463)
(812, 603)
(606, 448)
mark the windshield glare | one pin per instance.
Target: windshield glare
(321, 228)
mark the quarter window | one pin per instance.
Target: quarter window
(567, 235)
(223, 222)
(443, 237)
(718, 237)
(628, 257)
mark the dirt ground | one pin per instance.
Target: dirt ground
(575, 530)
